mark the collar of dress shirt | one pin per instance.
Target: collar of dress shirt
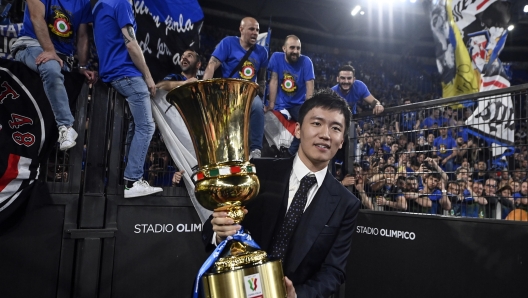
(300, 170)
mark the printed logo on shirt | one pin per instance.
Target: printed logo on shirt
(248, 70)
(288, 83)
(60, 24)
(443, 148)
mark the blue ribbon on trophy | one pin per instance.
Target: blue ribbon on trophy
(241, 236)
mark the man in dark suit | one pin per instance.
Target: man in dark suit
(314, 257)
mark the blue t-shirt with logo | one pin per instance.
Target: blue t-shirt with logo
(110, 16)
(230, 52)
(445, 146)
(358, 91)
(292, 79)
(63, 19)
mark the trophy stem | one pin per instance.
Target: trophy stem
(234, 210)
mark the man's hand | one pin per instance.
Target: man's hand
(176, 178)
(151, 86)
(380, 201)
(349, 180)
(47, 56)
(290, 289)
(268, 108)
(223, 225)
(91, 76)
(378, 109)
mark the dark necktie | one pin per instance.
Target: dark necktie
(282, 238)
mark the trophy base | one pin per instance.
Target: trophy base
(265, 280)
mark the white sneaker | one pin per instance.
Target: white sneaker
(255, 154)
(141, 188)
(67, 137)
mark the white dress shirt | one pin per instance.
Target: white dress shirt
(298, 172)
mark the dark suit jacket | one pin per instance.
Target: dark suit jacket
(318, 250)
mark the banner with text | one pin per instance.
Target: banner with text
(165, 30)
(469, 36)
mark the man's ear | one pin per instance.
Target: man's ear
(297, 133)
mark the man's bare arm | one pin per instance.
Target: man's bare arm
(137, 56)
(309, 89)
(214, 63)
(261, 80)
(37, 11)
(273, 85)
(371, 100)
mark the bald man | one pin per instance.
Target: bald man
(228, 54)
(292, 81)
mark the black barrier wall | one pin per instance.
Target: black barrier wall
(406, 255)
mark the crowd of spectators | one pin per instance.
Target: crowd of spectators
(428, 162)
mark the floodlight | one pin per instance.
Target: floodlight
(511, 27)
(356, 10)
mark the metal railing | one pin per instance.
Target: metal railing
(462, 156)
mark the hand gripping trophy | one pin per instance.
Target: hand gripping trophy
(216, 113)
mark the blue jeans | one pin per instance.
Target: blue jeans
(256, 124)
(294, 113)
(136, 93)
(53, 82)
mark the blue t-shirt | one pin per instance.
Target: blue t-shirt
(114, 60)
(175, 77)
(445, 146)
(292, 79)
(429, 122)
(435, 197)
(63, 19)
(230, 52)
(408, 120)
(358, 91)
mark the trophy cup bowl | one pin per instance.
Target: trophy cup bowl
(216, 113)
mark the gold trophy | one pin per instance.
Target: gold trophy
(216, 113)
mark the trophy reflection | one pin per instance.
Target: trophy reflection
(216, 113)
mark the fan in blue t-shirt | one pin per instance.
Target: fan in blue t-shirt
(291, 82)
(229, 53)
(353, 90)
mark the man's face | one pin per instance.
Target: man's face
(453, 189)
(506, 193)
(524, 188)
(516, 186)
(430, 138)
(390, 139)
(462, 175)
(449, 112)
(477, 188)
(395, 147)
(345, 79)
(505, 175)
(412, 184)
(468, 113)
(481, 166)
(443, 132)
(432, 182)
(420, 158)
(188, 61)
(436, 113)
(321, 135)
(490, 187)
(249, 31)
(292, 49)
(389, 171)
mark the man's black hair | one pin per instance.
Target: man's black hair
(347, 68)
(327, 100)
